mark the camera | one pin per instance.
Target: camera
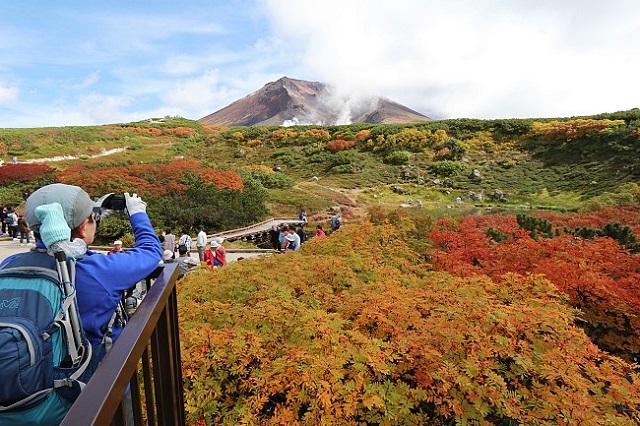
(113, 202)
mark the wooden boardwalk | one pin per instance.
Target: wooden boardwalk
(257, 231)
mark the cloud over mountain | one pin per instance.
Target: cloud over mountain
(296, 102)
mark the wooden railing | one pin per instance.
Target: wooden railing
(140, 378)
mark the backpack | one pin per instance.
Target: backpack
(44, 352)
(10, 219)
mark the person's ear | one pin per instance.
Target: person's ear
(81, 230)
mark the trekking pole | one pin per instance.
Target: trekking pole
(74, 344)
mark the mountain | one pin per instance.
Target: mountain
(288, 101)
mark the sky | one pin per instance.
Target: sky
(78, 63)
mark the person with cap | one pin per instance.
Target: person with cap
(221, 251)
(64, 215)
(185, 261)
(117, 248)
(167, 256)
(216, 255)
(293, 240)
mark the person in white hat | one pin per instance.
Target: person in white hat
(214, 256)
(117, 247)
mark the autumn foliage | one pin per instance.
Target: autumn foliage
(339, 145)
(148, 179)
(600, 276)
(23, 172)
(355, 330)
(571, 129)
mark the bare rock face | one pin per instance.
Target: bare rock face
(290, 102)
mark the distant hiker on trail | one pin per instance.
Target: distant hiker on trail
(185, 261)
(336, 223)
(24, 229)
(220, 253)
(169, 241)
(208, 256)
(319, 231)
(221, 250)
(3, 216)
(117, 248)
(301, 233)
(11, 219)
(201, 241)
(302, 216)
(293, 240)
(282, 241)
(185, 240)
(274, 239)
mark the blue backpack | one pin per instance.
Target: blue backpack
(45, 357)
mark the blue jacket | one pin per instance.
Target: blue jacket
(101, 279)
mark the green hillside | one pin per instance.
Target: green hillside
(546, 163)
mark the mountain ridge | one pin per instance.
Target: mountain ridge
(289, 101)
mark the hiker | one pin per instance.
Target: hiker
(301, 233)
(201, 241)
(274, 238)
(319, 231)
(293, 240)
(11, 220)
(117, 248)
(24, 229)
(302, 215)
(64, 215)
(169, 240)
(185, 240)
(216, 255)
(336, 223)
(184, 261)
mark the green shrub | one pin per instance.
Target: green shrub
(447, 168)
(398, 158)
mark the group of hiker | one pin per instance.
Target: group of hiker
(15, 225)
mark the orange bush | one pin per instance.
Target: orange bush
(148, 179)
(339, 145)
(357, 332)
(600, 277)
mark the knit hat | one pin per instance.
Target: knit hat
(53, 226)
(75, 202)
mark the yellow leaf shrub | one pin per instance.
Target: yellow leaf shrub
(353, 330)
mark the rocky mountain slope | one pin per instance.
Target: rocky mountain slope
(288, 102)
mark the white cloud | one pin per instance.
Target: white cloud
(89, 81)
(8, 93)
(196, 95)
(468, 58)
(100, 108)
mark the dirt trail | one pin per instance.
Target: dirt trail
(72, 157)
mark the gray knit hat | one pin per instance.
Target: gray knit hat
(76, 204)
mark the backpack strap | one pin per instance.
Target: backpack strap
(76, 344)
(23, 401)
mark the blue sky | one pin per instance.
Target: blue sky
(83, 63)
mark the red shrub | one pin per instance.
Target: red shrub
(339, 145)
(23, 172)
